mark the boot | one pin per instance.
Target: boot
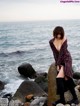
(60, 91)
(71, 86)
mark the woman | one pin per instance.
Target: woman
(63, 62)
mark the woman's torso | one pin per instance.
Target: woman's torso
(58, 43)
(60, 47)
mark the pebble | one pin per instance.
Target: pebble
(4, 102)
(38, 101)
(15, 103)
(59, 104)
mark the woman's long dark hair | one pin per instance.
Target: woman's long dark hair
(58, 30)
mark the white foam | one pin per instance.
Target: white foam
(12, 86)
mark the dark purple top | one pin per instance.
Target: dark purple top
(62, 57)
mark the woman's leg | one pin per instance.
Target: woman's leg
(61, 72)
(71, 85)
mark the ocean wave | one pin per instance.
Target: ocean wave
(21, 52)
(12, 53)
(3, 55)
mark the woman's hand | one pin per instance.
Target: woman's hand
(57, 68)
(61, 67)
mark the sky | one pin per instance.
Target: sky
(33, 10)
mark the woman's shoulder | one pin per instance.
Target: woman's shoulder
(64, 39)
(51, 40)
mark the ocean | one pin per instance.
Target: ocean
(28, 42)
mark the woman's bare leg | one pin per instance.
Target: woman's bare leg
(61, 73)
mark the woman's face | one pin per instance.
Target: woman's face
(58, 36)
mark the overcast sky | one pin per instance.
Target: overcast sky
(29, 10)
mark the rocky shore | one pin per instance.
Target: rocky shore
(40, 92)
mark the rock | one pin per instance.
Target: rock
(1, 85)
(75, 81)
(42, 74)
(68, 95)
(8, 96)
(15, 103)
(27, 88)
(78, 87)
(37, 101)
(4, 102)
(27, 104)
(27, 70)
(73, 104)
(46, 103)
(11, 103)
(52, 87)
(59, 104)
(78, 82)
(67, 105)
(78, 93)
(42, 81)
(28, 98)
(76, 75)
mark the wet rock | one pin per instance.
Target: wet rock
(78, 87)
(59, 104)
(1, 85)
(27, 88)
(42, 74)
(29, 98)
(15, 103)
(27, 104)
(8, 96)
(38, 100)
(46, 102)
(27, 70)
(76, 75)
(78, 82)
(4, 101)
(11, 103)
(75, 81)
(42, 81)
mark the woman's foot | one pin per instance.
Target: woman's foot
(58, 101)
(75, 101)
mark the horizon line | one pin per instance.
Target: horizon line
(39, 20)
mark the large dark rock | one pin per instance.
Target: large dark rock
(27, 70)
(42, 81)
(52, 87)
(76, 75)
(1, 85)
(78, 82)
(27, 88)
